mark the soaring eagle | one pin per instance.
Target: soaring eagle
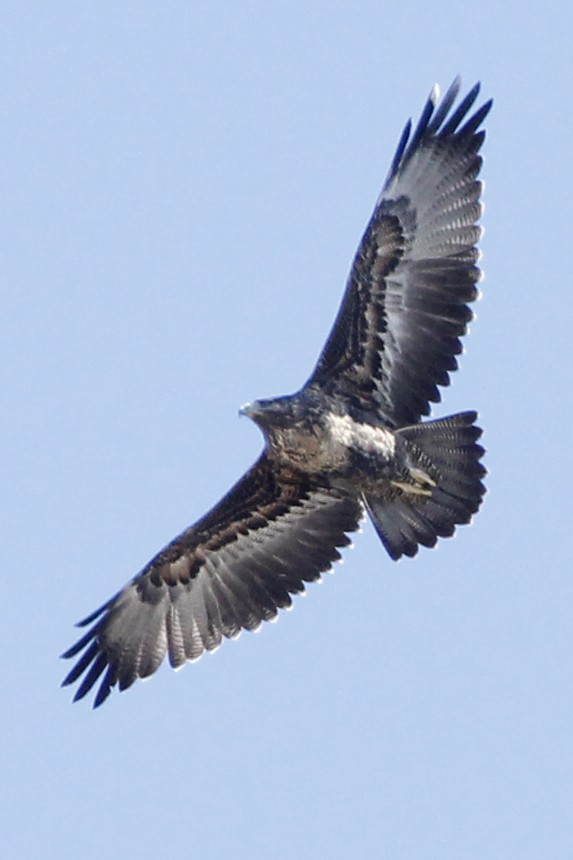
(351, 440)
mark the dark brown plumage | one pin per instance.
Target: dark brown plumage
(349, 441)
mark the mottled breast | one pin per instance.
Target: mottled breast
(335, 444)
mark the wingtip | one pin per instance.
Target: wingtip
(435, 94)
(450, 94)
(100, 698)
(475, 90)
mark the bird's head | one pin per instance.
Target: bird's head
(274, 413)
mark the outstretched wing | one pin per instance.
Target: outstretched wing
(397, 332)
(234, 568)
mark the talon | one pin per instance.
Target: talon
(422, 478)
(412, 489)
(421, 484)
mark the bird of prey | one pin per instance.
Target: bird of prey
(350, 441)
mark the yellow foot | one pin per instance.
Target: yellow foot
(421, 483)
(411, 489)
(422, 478)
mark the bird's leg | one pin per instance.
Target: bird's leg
(420, 483)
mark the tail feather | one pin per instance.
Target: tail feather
(447, 450)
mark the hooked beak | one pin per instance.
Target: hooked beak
(251, 410)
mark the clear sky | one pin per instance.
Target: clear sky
(183, 188)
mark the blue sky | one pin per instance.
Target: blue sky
(184, 186)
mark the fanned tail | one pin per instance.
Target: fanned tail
(446, 451)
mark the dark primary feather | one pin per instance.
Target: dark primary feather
(394, 342)
(397, 333)
(234, 568)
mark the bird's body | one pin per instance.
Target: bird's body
(350, 441)
(312, 434)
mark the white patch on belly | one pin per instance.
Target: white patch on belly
(365, 437)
